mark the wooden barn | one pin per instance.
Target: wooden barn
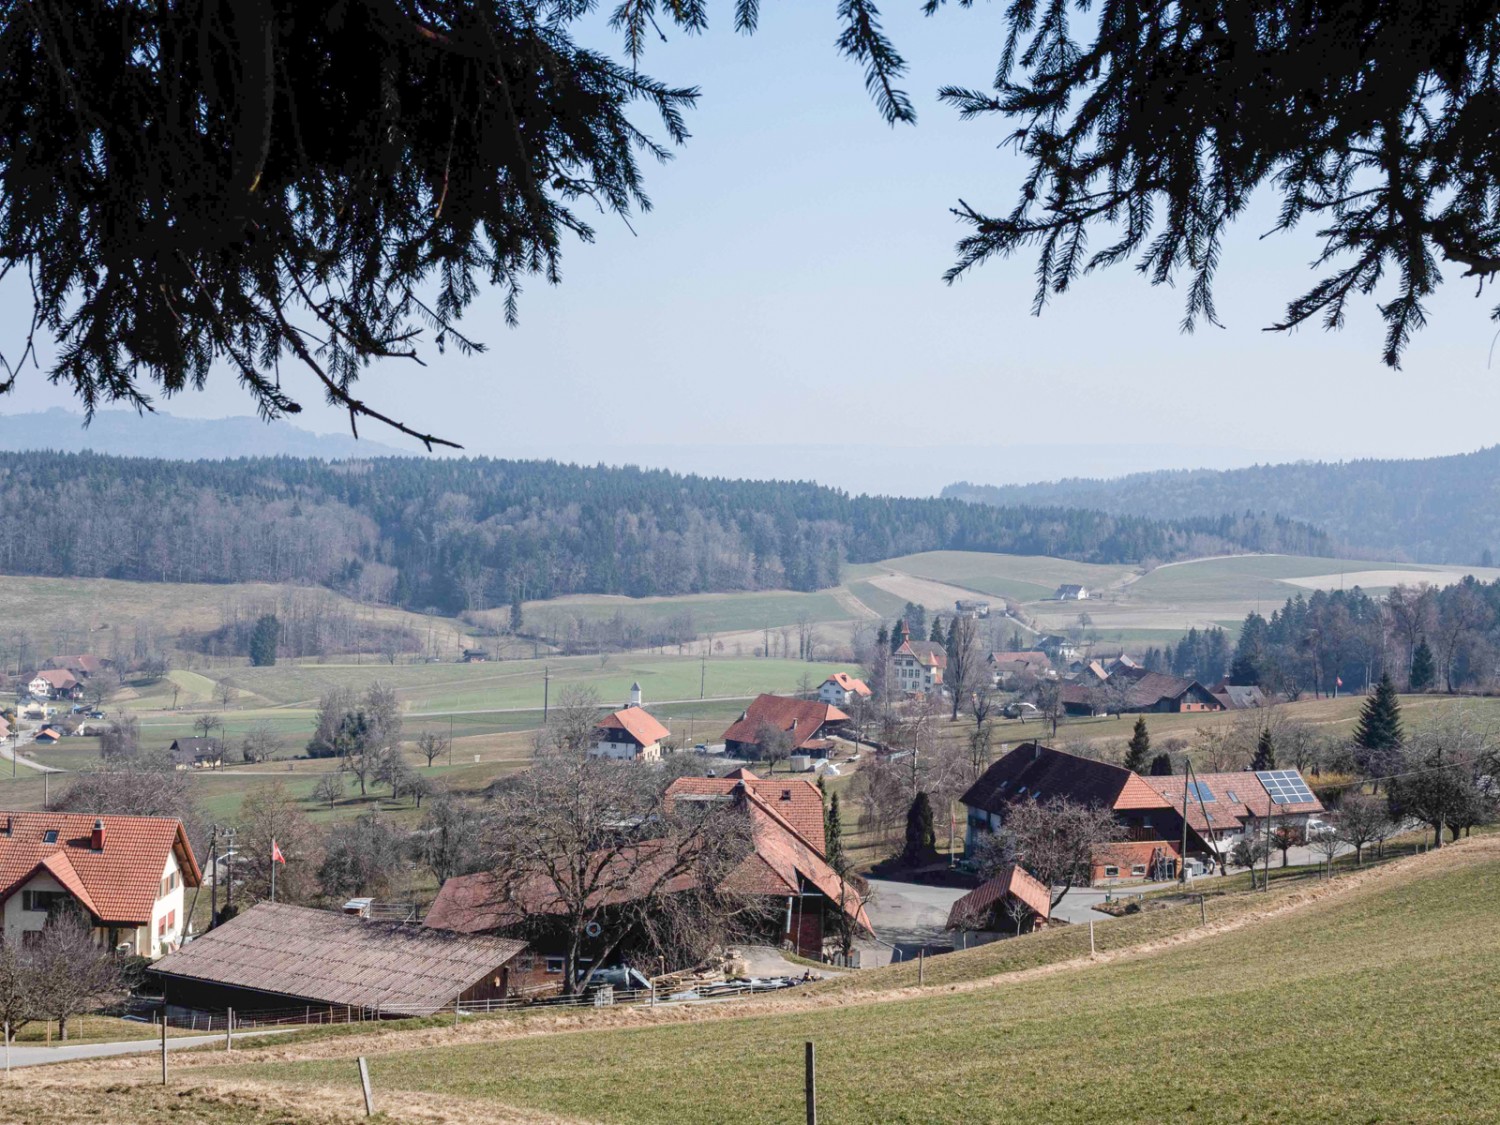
(283, 959)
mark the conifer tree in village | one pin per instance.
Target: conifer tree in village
(1423, 668)
(833, 831)
(1265, 751)
(937, 636)
(1161, 765)
(1139, 747)
(1379, 727)
(921, 833)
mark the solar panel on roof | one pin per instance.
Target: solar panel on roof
(1200, 791)
(1285, 787)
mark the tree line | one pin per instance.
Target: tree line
(471, 534)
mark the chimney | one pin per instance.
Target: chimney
(1036, 750)
(9, 827)
(96, 838)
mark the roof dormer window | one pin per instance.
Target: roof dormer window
(49, 836)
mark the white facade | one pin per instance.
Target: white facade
(627, 751)
(911, 674)
(160, 936)
(835, 694)
(39, 688)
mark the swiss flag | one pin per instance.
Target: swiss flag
(276, 856)
(1339, 681)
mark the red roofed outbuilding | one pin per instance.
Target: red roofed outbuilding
(126, 872)
(803, 720)
(990, 905)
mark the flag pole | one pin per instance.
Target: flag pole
(273, 870)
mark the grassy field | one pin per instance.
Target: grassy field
(1367, 999)
(710, 613)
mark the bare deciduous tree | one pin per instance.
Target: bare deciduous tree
(594, 848)
(1056, 839)
(260, 744)
(575, 718)
(1363, 820)
(432, 746)
(330, 789)
(69, 972)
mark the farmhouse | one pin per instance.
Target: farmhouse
(629, 735)
(786, 864)
(1133, 860)
(807, 723)
(1223, 807)
(1036, 772)
(84, 666)
(842, 689)
(1237, 697)
(1012, 900)
(54, 683)
(48, 735)
(196, 753)
(1006, 667)
(276, 958)
(1159, 692)
(1071, 593)
(971, 607)
(127, 873)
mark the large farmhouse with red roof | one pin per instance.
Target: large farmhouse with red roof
(806, 722)
(631, 734)
(126, 874)
(1220, 807)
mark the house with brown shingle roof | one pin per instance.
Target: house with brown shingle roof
(54, 683)
(629, 735)
(1033, 772)
(806, 722)
(1159, 692)
(127, 874)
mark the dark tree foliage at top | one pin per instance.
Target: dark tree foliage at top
(1151, 123)
(259, 181)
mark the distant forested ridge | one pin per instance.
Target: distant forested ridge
(1438, 509)
(469, 534)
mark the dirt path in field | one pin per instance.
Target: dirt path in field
(83, 1085)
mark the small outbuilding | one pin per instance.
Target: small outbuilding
(276, 958)
(1012, 900)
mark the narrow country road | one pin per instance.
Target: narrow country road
(41, 1056)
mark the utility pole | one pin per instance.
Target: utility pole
(1187, 787)
(546, 691)
(213, 866)
(702, 674)
(450, 739)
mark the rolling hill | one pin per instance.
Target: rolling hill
(1437, 509)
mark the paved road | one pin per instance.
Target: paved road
(7, 753)
(40, 1056)
(908, 916)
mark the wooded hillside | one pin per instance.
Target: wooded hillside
(467, 534)
(1438, 509)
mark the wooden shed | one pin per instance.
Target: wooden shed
(275, 958)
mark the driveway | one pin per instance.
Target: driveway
(907, 917)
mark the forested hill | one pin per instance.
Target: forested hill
(1438, 509)
(463, 534)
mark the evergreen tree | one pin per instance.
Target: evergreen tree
(1140, 745)
(921, 835)
(263, 641)
(936, 636)
(516, 620)
(1265, 751)
(882, 638)
(1423, 668)
(1379, 726)
(833, 829)
(1161, 765)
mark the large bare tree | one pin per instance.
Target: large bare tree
(595, 848)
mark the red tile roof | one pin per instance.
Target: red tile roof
(925, 652)
(976, 906)
(797, 800)
(849, 683)
(1035, 771)
(60, 679)
(803, 718)
(1250, 799)
(641, 726)
(85, 662)
(120, 883)
(1129, 853)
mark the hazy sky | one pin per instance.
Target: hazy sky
(781, 311)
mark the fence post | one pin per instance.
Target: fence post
(7, 1046)
(164, 1046)
(1091, 937)
(921, 966)
(455, 1011)
(364, 1081)
(1202, 911)
(810, 1084)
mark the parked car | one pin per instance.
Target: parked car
(1319, 827)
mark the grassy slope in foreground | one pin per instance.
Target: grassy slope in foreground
(1373, 1006)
